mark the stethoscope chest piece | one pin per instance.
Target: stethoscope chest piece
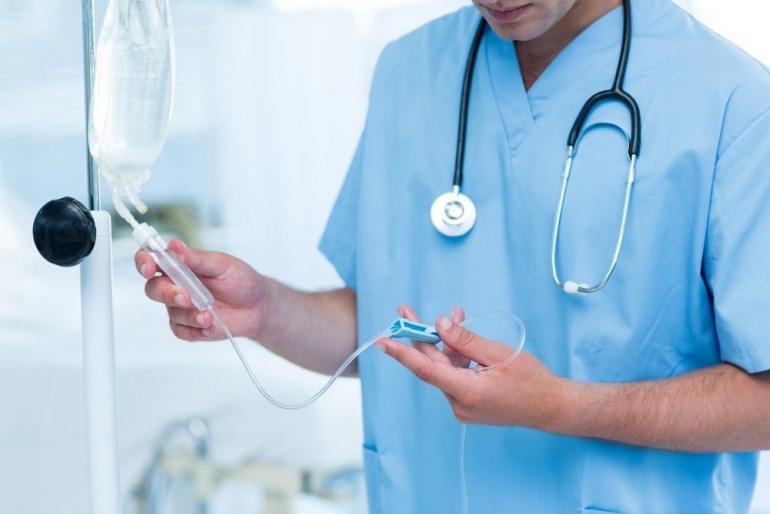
(453, 214)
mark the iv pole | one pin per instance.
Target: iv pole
(88, 80)
(67, 233)
(97, 323)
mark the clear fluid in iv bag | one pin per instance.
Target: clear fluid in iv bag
(132, 93)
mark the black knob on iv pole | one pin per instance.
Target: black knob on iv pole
(64, 232)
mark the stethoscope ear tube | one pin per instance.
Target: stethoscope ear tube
(616, 93)
(462, 127)
(621, 96)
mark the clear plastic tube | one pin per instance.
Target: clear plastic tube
(463, 483)
(464, 427)
(519, 327)
(292, 406)
(149, 239)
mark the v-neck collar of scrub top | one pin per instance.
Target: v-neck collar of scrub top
(519, 109)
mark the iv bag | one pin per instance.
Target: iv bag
(132, 95)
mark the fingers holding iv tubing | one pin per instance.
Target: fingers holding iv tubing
(185, 320)
(315, 330)
(239, 293)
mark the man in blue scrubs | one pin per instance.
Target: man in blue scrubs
(651, 395)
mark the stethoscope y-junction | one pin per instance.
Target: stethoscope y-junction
(454, 214)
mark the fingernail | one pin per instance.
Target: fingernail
(179, 300)
(143, 269)
(380, 344)
(400, 312)
(199, 318)
(444, 323)
(206, 332)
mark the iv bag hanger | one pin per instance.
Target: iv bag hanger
(67, 233)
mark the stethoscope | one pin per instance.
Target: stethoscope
(454, 214)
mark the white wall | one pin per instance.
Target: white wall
(291, 98)
(744, 22)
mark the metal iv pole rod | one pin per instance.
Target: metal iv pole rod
(94, 202)
(67, 233)
(97, 325)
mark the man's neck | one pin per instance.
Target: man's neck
(537, 54)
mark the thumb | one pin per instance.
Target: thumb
(471, 345)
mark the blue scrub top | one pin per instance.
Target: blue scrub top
(689, 290)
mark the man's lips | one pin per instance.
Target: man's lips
(509, 14)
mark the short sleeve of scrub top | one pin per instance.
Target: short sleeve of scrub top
(339, 241)
(737, 253)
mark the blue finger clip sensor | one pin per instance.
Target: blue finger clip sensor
(404, 328)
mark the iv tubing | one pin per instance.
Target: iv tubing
(463, 482)
(361, 349)
(317, 395)
(464, 428)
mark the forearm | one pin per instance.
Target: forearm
(721, 408)
(314, 330)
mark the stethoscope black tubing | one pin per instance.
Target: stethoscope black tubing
(616, 93)
(464, 102)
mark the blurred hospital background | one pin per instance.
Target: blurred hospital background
(270, 100)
